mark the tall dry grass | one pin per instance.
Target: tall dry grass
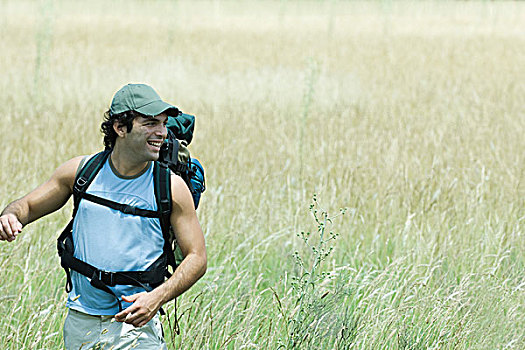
(410, 115)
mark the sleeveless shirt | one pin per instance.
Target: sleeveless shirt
(113, 241)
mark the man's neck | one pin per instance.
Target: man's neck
(126, 165)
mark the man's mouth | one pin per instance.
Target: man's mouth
(157, 144)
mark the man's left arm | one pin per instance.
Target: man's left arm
(190, 239)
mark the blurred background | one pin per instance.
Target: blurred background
(409, 116)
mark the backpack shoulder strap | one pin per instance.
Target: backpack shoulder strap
(81, 165)
(86, 175)
(162, 187)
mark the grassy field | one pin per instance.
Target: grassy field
(411, 116)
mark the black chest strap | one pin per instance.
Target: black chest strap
(124, 208)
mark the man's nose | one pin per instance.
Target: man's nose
(162, 130)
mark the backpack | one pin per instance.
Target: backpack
(175, 157)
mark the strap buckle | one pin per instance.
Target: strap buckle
(128, 209)
(106, 277)
(79, 184)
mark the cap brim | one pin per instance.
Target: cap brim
(157, 107)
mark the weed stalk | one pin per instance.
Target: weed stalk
(306, 285)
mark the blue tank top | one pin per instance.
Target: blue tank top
(113, 241)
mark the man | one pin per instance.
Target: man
(134, 130)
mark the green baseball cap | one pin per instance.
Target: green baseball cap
(140, 98)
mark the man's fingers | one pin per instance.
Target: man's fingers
(121, 316)
(132, 298)
(140, 322)
(137, 314)
(5, 229)
(124, 314)
(129, 318)
(135, 318)
(10, 226)
(16, 225)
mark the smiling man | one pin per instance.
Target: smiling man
(119, 246)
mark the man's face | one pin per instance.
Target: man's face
(146, 137)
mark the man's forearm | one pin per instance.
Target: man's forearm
(187, 273)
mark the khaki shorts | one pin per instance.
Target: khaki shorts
(83, 331)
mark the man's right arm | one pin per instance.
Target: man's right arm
(45, 199)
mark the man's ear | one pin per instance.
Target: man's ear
(120, 128)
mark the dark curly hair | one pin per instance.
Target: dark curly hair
(125, 118)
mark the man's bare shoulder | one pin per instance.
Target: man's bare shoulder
(180, 193)
(72, 165)
(67, 171)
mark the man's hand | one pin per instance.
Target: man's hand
(10, 227)
(145, 306)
